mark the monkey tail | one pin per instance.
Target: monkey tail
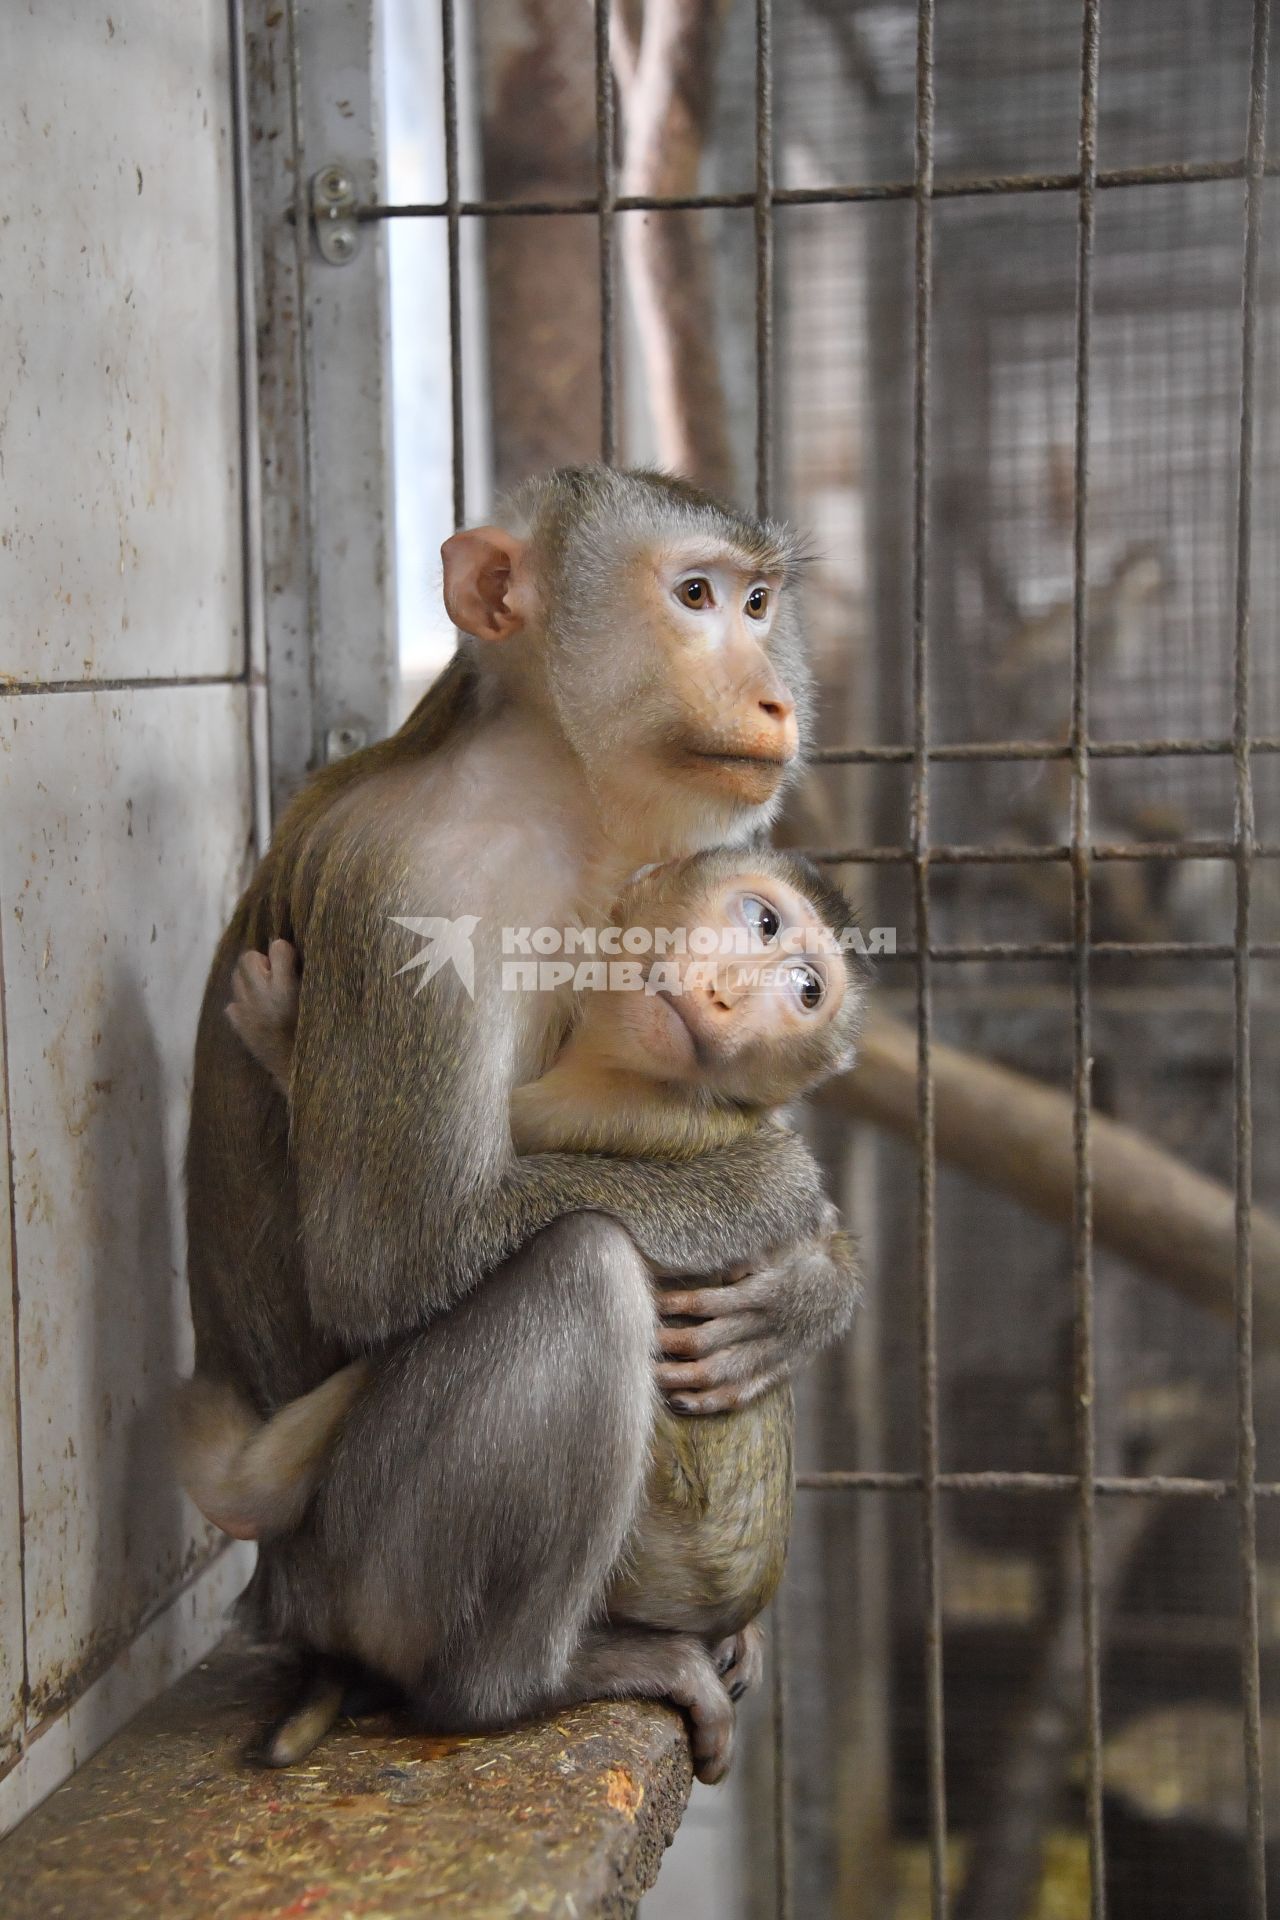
(326, 1689)
(315, 1708)
(252, 1477)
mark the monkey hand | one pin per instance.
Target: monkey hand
(723, 1346)
(263, 1008)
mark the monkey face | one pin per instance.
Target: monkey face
(755, 998)
(659, 629)
(707, 613)
(688, 702)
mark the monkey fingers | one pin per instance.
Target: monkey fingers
(752, 1289)
(263, 1008)
(730, 1378)
(719, 1348)
(694, 1340)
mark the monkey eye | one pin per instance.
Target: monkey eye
(758, 603)
(761, 917)
(809, 985)
(695, 593)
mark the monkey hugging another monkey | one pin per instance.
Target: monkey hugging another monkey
(422, 1282)
(668, 1074)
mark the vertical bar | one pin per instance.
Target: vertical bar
(927, 1278)
(449, 64)
(764, 253)
(1081, 1038)
(279, 241)
(606, 190)
(258, 710)
(1246, 1439)
(763, 229)
(250, 512)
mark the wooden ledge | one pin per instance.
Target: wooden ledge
(569, 1817)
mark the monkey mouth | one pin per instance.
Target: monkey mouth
(736, 757)
(676, 1003)
(755, 771)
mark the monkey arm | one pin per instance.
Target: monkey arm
(724, 1346)
(409, 1190)
(758, 1192)
(692, 1216)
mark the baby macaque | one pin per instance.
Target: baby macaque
(707, 1049)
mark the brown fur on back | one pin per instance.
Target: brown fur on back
(248, 1293)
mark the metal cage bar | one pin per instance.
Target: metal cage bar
(763, 232)
(449, 63)
(979, 186)
(1247, 1449)
(1079, 852)
(1014, 853)
(996, 1480)
(1081, 1046)
(762, 239)
(957, 951)
(605, 196)
(998, 750)
(926, 1149)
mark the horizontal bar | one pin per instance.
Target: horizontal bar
(962, 187)
(1188, 1632)
(1016, 853)
(996, 750)
(1153, 1485)
(1098, 950)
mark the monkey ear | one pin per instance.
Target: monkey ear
(479, 571)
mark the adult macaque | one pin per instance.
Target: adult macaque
(630, 687)
(669, 1072)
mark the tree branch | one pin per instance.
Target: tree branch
(1012, 1132)
(665, 88)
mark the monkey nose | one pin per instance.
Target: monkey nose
(721, 994)
(778, 724)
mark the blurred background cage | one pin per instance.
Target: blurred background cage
(985, 297)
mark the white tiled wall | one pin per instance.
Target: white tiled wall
(121, 455)
(126, 829)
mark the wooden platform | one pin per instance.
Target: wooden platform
(569, 1817)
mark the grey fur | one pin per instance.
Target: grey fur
(481, 1490)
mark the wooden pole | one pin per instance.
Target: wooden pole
(1012, 1132)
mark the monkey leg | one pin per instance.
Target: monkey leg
(636, 1663)
(482, 1488)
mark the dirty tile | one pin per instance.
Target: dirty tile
(128, 834)
(121, 547)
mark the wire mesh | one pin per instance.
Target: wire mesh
(1069, 450)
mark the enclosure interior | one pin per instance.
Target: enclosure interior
(1164, 355)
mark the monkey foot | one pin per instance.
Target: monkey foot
(713, 1727)
(740, 1660)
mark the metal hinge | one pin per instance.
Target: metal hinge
(333, 214)
(348, 737)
